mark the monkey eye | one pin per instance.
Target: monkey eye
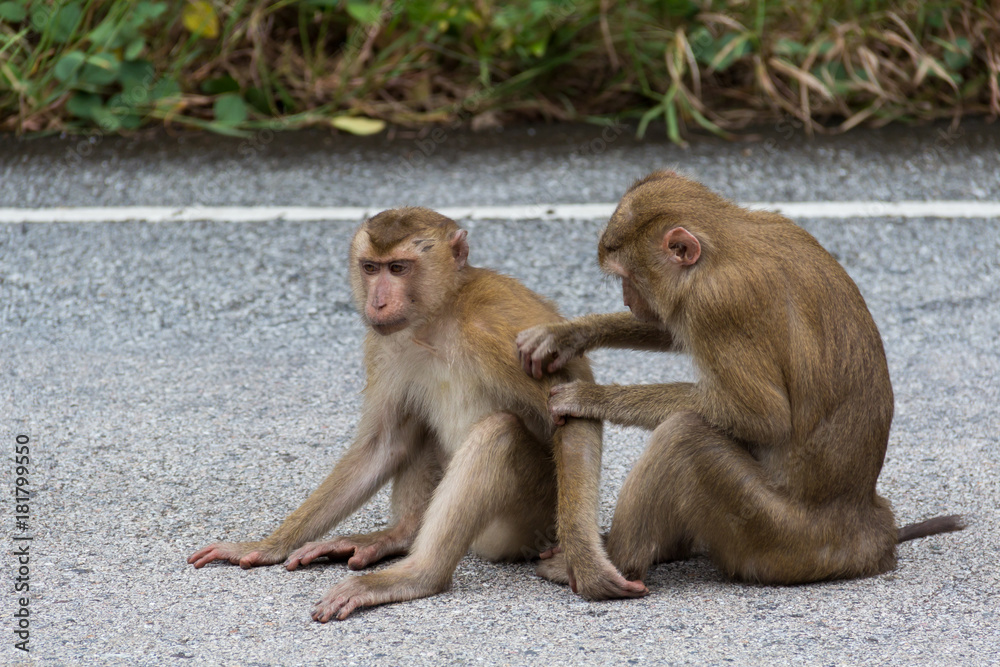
(398, 268)
(371, 268)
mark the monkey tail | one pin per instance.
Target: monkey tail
(939, 524)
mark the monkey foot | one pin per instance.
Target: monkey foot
(602, 583)
(553, 567)
(607, 584)
(369, 590)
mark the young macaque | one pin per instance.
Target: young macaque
(449, 417)
(768, 463)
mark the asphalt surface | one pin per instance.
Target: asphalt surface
(187, 383)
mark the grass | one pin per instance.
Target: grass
(239, 66)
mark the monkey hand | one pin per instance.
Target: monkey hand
(359, 550)
(396, 584)
(244, 554)
(573, 399)
(547, 348)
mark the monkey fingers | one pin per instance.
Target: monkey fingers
(244, 554)
(567, 400)
(360, 550)
(539, 352)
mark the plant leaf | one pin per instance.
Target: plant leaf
(220, 85)
(164, 88)
(200, 19)
(84, 105)
(365, 13)
(13, 12)
(137, 76)
(100, 69)
(230, 109)
(69, 65)
(359, 125)
(66, 19)
(135, 48)
(731, 47)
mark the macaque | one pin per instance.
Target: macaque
(449, 417)
(768, 463)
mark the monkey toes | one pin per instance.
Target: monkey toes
(553, 567)
(342, 599)
(603, 583)
(392, 585)
(606, 585)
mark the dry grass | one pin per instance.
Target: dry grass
(719, 66)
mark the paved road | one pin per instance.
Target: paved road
(183, 383)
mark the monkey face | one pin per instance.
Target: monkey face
(387, 285)
(405, 263)
(635, 302)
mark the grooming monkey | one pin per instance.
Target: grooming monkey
(768, 463)
(451, 419)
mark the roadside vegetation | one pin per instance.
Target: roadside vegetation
(719, 66)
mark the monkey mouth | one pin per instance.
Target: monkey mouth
(386, 328)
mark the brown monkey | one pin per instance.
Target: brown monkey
(450, 418)
(768, 464)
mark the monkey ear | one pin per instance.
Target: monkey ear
(681, 246)
(459, 247)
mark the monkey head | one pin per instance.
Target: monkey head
(646, 246)
(404, 265)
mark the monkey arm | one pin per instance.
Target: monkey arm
(556, 344)
(372, 459)
(646, 406)
(623, 331)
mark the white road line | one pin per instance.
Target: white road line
(840, 210)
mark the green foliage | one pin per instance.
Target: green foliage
(14, 12)
(237, 65)
(230, 109)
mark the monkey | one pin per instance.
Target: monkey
(767, 463)
(448, 417)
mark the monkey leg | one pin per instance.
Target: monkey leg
(694, 485)
(498, 496)
(411, 492)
